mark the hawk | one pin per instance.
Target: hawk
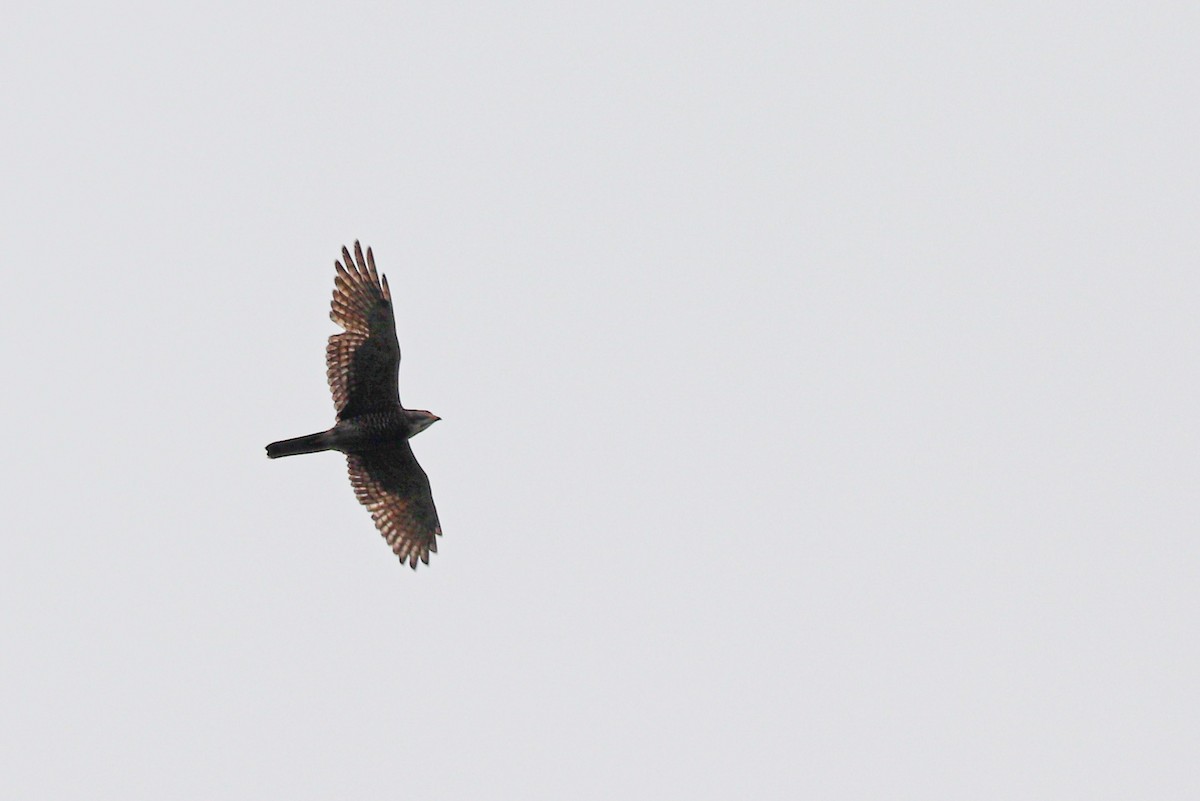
(373, 429)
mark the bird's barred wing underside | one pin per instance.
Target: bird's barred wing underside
(363, 363)
(392, 485)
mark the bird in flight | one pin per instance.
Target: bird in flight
(373, 429)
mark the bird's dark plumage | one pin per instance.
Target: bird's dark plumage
(373, 429)
(390, 483)
(362, 364)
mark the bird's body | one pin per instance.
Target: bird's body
(373, 428)
(376, 429)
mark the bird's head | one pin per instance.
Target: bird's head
(421, 419)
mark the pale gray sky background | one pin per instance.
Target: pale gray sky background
(819, 386)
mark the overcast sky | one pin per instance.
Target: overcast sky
(818, 383)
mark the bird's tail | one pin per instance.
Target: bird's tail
(309, 444)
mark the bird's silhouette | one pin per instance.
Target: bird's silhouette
(373, 428)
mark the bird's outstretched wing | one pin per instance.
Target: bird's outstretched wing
(363, 363)
(390, 483)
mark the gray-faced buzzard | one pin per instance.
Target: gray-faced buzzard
(373, 429)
